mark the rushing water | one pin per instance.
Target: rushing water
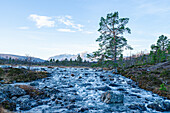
(80, 89)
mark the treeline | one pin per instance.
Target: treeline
(52, 62)
(160, 52)
(70, 62)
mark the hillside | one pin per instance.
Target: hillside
(18, 57)
(70, 56)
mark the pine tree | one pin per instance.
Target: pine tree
(111, 40)
(79, 59)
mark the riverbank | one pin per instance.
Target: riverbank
(155, 78)
(12, 75)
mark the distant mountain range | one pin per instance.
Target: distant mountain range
(8, 56)
(71, 56)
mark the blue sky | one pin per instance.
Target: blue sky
(44, 28)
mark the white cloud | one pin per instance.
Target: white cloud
(65, 30)
(42, 21)
(24, 27)
(88, 32)
(67, 20)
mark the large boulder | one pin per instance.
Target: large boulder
(110, 97)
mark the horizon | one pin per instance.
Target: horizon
(44, 29)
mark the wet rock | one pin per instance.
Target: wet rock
(104, 79)
(23, 99)
(34, 84)
(72, 75)
(53, 97)
(26, 105)
(136, 91)
(113, 85)
(58, 101)
(121, 89)
(11, 91)
(71, 106)
(83, 109)
(110, 97)
(105, 88)
(100, 69)
(140, 107)
(102, 76)
(91, 80)
(86, 74)
(14, 98)
(86, 84)
(149, 99)
(160, 105)
(118, 108)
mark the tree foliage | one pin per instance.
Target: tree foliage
(111, 41)
(158, 50)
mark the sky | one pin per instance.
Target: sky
(45, 28)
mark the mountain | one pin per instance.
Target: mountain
(61, 57)
(8, 56)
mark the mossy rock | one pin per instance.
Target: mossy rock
(33, 92)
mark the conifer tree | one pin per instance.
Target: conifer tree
(111, 41)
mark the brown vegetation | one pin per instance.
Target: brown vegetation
(33, 92)
(150, 77)
(11, 75)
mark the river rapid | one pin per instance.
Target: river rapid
(71, 90)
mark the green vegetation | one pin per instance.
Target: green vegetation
(163, 88)
(111, 40)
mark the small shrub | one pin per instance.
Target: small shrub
(163, 88)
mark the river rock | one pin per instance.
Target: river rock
(160, 105)
(23, 99)
(110, 97)
(34, 84)
(105, 88)
(140, 107)
(11, 91)
(113, 85)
